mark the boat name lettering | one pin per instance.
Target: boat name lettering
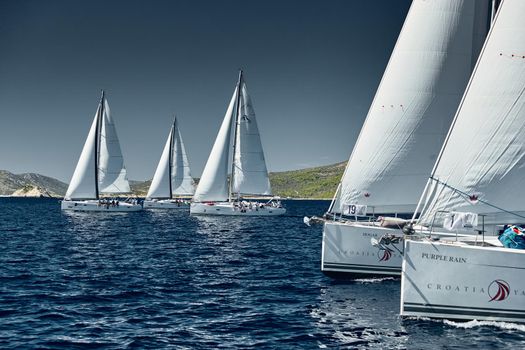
(359, 253)
(446, 258)
(448, 287)
(452, 288)
(368, 234)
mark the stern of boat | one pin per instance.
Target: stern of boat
(348, 252)
(462, 281)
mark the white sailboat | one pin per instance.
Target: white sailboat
(100, 169)
(172, 183)
(401, 137)
(479, 174)
(215, 195)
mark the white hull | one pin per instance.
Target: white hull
(347, 251)
(93, 205)
(458, 281)
(227, 208)
(165, 204)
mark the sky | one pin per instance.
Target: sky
(311, 67)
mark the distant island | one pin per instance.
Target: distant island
(30, 185)
(316, 183)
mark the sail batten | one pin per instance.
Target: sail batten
(413, 106)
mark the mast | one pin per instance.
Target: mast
(236, 123)
(97, 139)
(494, 8)
(170, 162)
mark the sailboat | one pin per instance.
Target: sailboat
(172, 183)
(477, 185)
(407, 122)
(100, 170)
(215, 195)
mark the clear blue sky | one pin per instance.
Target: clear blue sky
(312, 68)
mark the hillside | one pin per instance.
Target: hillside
(30, 183)
(318, 182)
(140, 188)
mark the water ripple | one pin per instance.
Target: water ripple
(167, 280)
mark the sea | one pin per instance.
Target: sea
(165, 279)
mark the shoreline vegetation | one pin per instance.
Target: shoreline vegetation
(317, 183)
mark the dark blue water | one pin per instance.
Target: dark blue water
(168, 280)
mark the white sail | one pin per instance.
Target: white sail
(182, 182)
(414, 105)
(481, 165)
(83, 182)
(160, 184)
(112, 172)
(213, 185)
(250, 175)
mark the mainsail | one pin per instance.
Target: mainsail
(112, 177)
(250, 175)
(414, 105)
(101, 159)
(182, 182)
(480, 168)
(213, 185)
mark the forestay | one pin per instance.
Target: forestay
(250, 173)
(481, 166)
(112, 172)
(213, 185)
(414, 105)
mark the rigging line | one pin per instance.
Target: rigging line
(479, 200)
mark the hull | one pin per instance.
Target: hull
(165, 204)
(228, 209)
(93, 205)
(347, 251)
(458, 281)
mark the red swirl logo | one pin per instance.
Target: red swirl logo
(499, 290)
(387, 254)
